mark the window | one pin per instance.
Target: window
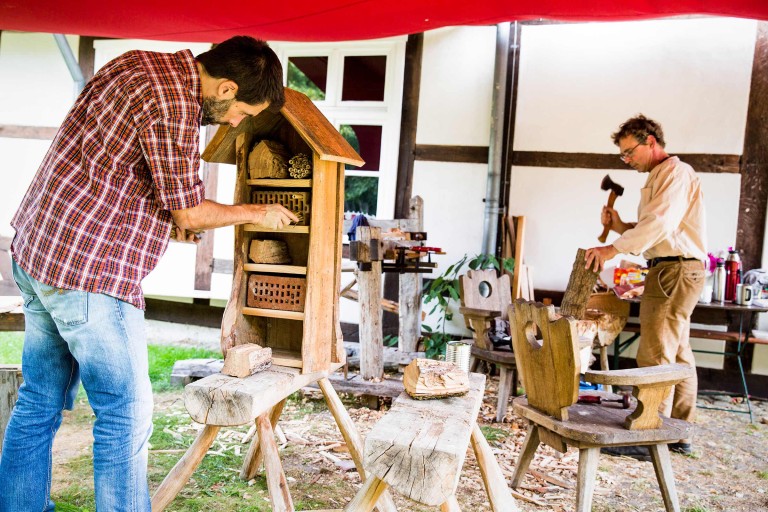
(358, 87)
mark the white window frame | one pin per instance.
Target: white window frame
(384, 113)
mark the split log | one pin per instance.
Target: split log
(579, 289)
(425, 378)
(268, 159)
(244, 360)
(269, 251)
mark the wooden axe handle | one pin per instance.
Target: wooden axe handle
(607, 229)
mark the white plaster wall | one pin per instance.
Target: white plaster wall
(456, 86)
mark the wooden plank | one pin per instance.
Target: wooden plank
(236, 328)
(409, 116)
(322, 270)
(183, 313)
(700, 162)
(228, 401)
(517, 280)
(461, 154)
(338, 354)
(753, 200)
(409, 292)
(287, 229)
(418, 448)
(12, 131)
(274, 313)
(10, 380)
(275, 269)
(292, 183)
(371, 345)
(358, 386)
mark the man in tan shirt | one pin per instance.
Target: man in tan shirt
(671, 234)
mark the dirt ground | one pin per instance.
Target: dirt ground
(727, 472)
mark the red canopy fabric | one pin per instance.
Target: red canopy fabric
(328, 20)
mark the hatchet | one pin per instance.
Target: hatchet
(616, 191)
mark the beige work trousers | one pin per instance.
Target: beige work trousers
(671, 292)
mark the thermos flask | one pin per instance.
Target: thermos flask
(732, 274)
(718, 282)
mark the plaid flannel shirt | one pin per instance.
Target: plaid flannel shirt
(97, 214)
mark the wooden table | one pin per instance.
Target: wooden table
(746, 317)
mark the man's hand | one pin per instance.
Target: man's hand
(185, 235)
(597, 256)
(277, 216)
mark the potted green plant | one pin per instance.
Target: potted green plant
(444, 289)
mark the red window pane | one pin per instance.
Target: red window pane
(364, 78)
(308, 75)
(367, 142)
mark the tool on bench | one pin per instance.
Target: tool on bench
(594, 399)
(616, 191)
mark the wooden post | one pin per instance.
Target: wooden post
(276, 482)
(371, 344)
(10, 380)
(352, 438)
(409, 329)
(254, 456)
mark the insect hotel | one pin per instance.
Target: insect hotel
(284, 292)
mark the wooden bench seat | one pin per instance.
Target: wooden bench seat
(418, 448)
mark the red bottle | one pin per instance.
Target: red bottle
(732, 274)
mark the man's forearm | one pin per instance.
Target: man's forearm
(624, 226)
(210, 214)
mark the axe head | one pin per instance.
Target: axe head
(609, 184)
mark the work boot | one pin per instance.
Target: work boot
(636, 452)
(682, 448)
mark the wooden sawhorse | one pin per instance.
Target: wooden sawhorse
(419, 447)
(219, 400)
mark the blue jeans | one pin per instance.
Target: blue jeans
(73, 335)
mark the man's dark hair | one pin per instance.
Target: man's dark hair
(640, 128)
(252, 65)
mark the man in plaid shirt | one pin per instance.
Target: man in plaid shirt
(120, 179)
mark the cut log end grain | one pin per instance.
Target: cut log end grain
(269, 251)
(268, 159)
(425, 379)
(245, 360)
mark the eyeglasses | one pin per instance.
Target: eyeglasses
(626, 155)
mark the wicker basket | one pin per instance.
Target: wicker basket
(297, 202)
(276, 292)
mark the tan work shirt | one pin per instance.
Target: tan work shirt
(671, 219)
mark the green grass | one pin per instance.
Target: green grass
(493, 434)
(763, 475)
(162, 357)
(10, 347)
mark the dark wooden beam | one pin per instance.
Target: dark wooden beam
(408, 120)
(700, 162)
(750, 231)
(184, 313)
(86, 56)
(513, 80)
(464, 154)
(12, 131)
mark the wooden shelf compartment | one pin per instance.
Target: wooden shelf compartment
(289, 358)
(274, 313)
(276, 182)
(275, 269)
(286, 230)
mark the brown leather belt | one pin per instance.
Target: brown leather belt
(655, 261)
